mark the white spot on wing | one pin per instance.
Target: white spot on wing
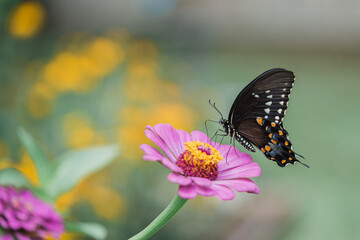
(282, 102)
(282, 95)
(267, 91)
(270, 96)
(268, 103)
(279, 110)
(267, 110)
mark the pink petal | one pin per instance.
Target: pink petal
(21, 236)
(233, 161)
(205, 191)
(184, 137)
(223, 192)
(200, 136)
(202, 182)
(170, 165)
(240, 185)
(171, 138)
(230, 153)
(248, 170)
(6, 237)
(180, 179)
(188, 191)
(151, 153)
(151, 133)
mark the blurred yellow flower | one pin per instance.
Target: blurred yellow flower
(134, 119)
(104, 54)
(26, 166)
(79, 132)
(151, 100)
(40, 99)
(66, 236)
(110, 205)
(80, 69)
(26, 19)
(106, 202)
(65, 72)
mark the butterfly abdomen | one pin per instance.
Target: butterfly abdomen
(243, 141)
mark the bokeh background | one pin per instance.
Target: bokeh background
(87, 72)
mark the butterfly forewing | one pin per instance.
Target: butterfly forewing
(267, 96)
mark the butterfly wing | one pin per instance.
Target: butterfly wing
(266, 96)
(271, 138)
(258, 111)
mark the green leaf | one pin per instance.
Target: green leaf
(76, 165)
(37, 155)
(12, 176)
(93, 230)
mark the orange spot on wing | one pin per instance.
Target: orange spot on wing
(272, 158)
(283, 161)
(281, 132)
(290, 158)
(268, 148)
(286, 143)
(274, 141)
(290, 151)
(263, 150)
(273, 124)
(270, 135)
(260, 121)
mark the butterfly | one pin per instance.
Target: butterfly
(256, 116)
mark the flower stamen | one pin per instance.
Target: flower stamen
(199, 160)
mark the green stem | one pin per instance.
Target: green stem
(176, 204)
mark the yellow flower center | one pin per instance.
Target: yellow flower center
(199, 160)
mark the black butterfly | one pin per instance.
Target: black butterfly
(256, 116)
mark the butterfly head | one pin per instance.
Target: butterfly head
(226, 125)
(222, 121)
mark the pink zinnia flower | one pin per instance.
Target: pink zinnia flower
(199, 166)
(25, 217)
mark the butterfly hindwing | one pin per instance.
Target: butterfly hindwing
(270, 138)
(278, 147)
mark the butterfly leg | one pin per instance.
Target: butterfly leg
(231, 145)
(216, 133)
(223, 136)
(234, 142)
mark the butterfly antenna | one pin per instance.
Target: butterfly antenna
(213, 105)
(304, 164)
